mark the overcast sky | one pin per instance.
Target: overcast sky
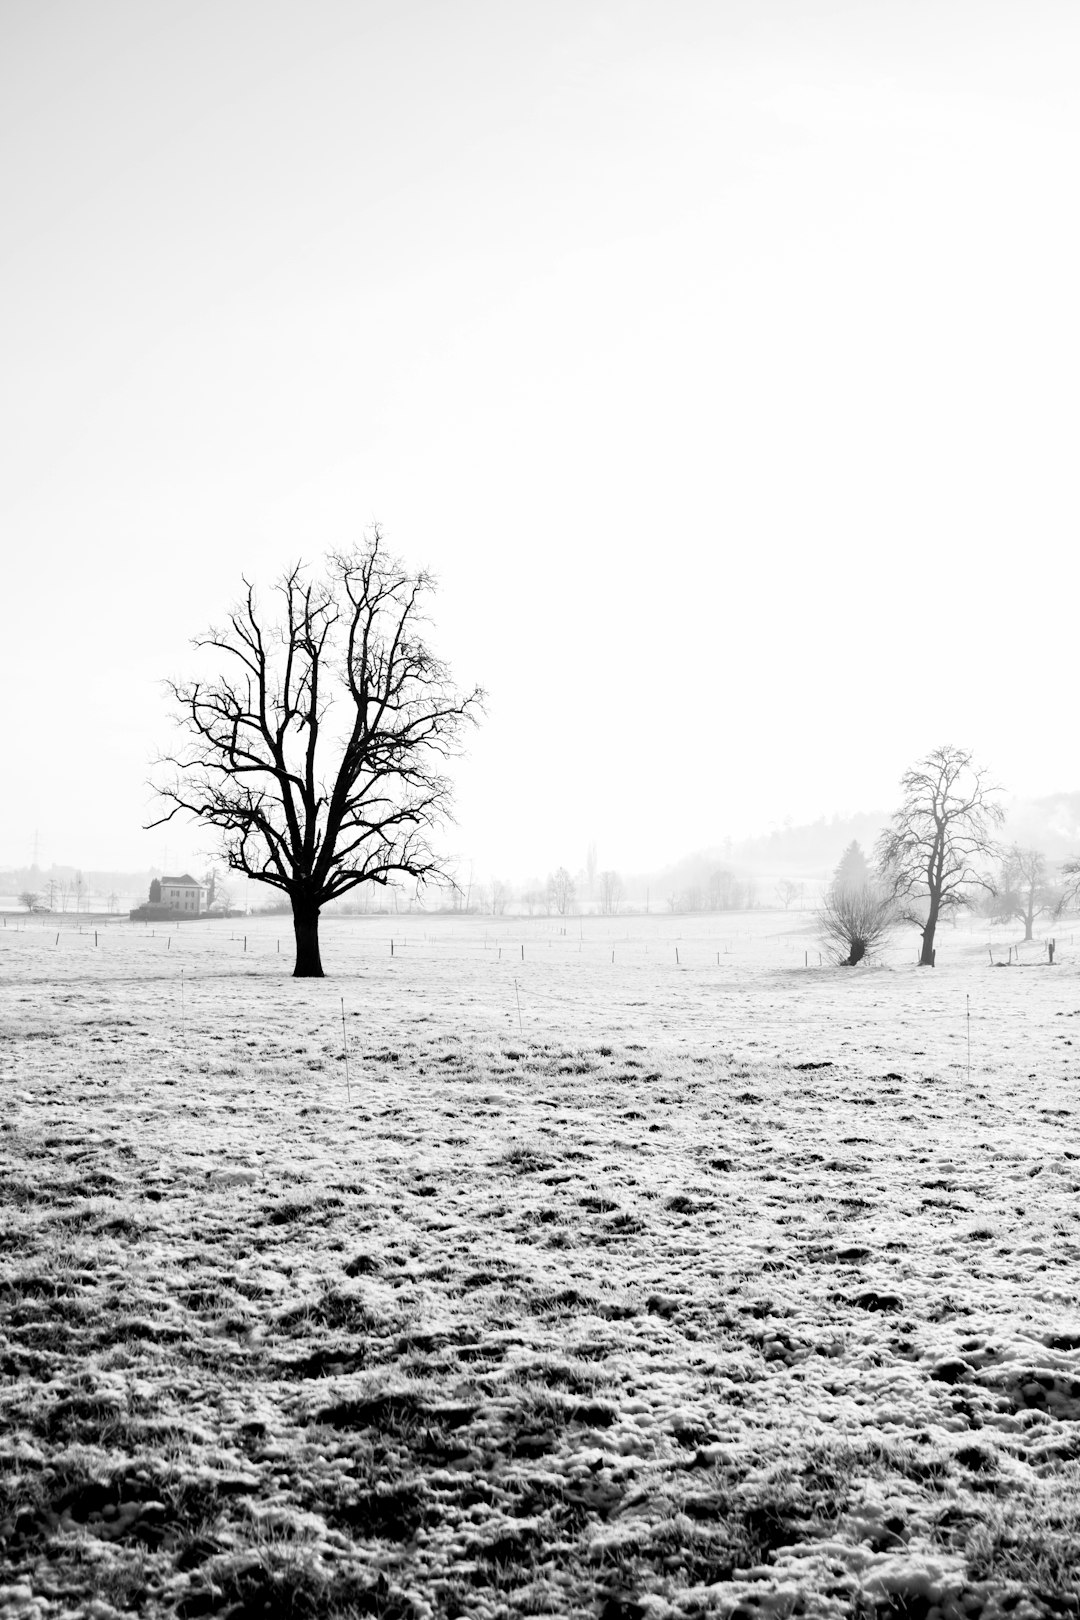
(720, 358)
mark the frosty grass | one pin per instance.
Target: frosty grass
(713, 1287)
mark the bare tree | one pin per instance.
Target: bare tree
(940, 842)
(29, 899)
(561, 892)
(611, 894)
(1026, 891)
(725, 892)
(80, 890)
(318, 753)
(854, 920)
(532, 897)
(222, 896)
(501, 895)
(786, 892)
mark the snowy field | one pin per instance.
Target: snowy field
(648, 1268)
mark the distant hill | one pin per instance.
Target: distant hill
(809, 853)
(816, 845)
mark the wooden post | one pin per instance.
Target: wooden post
(345, 1051)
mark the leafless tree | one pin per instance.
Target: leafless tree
(726, 893)
(940, 843)
(532, 897)
(80, 890)
(611, 894)
(1069, 890)
(855, 919)
(1025, 891)
(29, 899)
(560, 891)
(222, 899)
(786, 892)
(317, 747)
(501, 895)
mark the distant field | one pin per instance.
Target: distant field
(719, 1284)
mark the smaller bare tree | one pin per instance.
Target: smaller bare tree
(786, 892)
(561, 892)
(1026, 891)
(611, 893)
(500, 896)
(29, 899)
(854, 921)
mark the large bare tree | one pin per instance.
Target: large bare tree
(940, 841)
(317, 746)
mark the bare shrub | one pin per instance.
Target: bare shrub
(853, 921)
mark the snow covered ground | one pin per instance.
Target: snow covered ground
(629, 1268)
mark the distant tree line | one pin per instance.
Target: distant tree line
(721, 890)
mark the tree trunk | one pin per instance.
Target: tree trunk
(1029, 928)
(858, 951)
(306, 928)
(926, 959)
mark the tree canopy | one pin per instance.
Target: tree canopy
(316, 747)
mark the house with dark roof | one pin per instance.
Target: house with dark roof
(172, 899)
(184, 894)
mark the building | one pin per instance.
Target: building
(183, 894)
(172, 899)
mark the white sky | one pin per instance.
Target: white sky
(721, 358)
